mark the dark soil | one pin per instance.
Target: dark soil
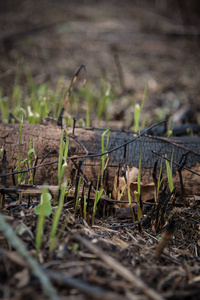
(150, 41)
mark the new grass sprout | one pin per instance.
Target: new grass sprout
(138, 192)
(129, 197)
(97, 197)
(85, 208)
(77, 195)
(122, 192)
(62, 160)
(42, 210)
(20, 175)
(170, 127)
(57, 213)
(138, 110)
(104, 149)
(170, 173)
(160, 180)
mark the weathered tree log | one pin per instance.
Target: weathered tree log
(47, 140)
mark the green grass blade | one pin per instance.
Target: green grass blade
(19, 152)
(40, 221)
(57, 217)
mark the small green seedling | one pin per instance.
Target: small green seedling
(85, 208)
(4, 107)
(62, 157)
(138, 192)
(122, 192)
(31, 158)
(97, 197)
(20, 175)
(129, 197)
(104, 149)
(138, 110)
(170, 127)
(42, 210)
(169, 173)
(77, 195)
(103, 103)
(160, 180)
(57, 214)
(28, 162)
(45, 203)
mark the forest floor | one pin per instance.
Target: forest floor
(128, 46)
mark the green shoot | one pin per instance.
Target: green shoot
(28, 162)
(160, 180)
(77, 195)
(138, 110)
(56, 216)
(62, 156)
(85, 208)
(29, 78)
(103, 103)
(46, 204)
(17, 96)
(104, 149)
(170, 127)
(169, 173)
(129, 197)
(19, 152)
(97, 197)
(88, 115)
(44, 209)
(122, 192)
(4, 107)
(33, 118)
(31, 156)
(138, 192)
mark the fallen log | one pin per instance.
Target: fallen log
(87, 144)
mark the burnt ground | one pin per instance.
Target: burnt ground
(156, 44)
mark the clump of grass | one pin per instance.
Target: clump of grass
(44, 208)
(28, 162)
(39, 101)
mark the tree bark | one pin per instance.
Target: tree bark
(47, 141)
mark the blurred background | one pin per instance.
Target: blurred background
(125, 46)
